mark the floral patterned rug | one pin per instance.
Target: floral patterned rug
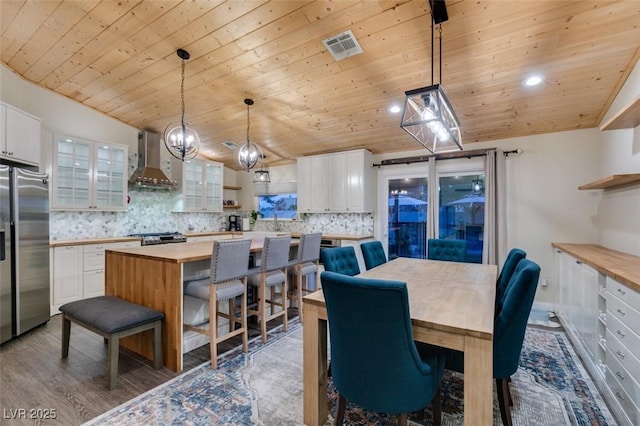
(264, 387)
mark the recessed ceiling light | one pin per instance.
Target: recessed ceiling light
(533, 80)
(394, 109)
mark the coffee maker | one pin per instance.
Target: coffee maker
(234, 223)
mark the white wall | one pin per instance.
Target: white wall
(63, 115)
(619, 152)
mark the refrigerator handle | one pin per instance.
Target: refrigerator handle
(2, 244)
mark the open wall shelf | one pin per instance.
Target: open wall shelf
(612, 181)
(627, 118)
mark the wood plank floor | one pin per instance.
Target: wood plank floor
(33, 376)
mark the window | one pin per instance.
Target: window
(283, 205)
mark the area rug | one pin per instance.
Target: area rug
(264, 387)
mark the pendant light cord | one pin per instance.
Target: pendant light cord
(433, 23)
(184, 142)
(440, 57)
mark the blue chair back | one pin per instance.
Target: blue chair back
(374, 360)
(373, 254)
(342, 260)
(511, 322)
(451, 250)
(509, 267)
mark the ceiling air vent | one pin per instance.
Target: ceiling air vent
(231, 145)
(343, 45)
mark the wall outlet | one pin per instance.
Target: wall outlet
(544, 282)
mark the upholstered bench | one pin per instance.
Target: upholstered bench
(112, 318)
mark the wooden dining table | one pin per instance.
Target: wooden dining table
(152, 276)
(452, 305)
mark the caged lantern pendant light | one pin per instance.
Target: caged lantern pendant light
(249, 154)
(180, 139)
(428, 115)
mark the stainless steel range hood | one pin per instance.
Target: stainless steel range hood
(148, 174)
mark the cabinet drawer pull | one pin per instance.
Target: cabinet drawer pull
(621, 291)
(620, 376)
(620, 396)
(621, 312)
(620, 333)
(620, 354)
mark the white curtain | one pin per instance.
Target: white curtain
(432, 202)
(495, 228)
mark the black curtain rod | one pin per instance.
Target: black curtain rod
(443, 156)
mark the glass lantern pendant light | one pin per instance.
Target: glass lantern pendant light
(428, 115)
(249, 154)
(180, 139)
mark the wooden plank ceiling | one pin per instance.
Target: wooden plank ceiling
(119, 57)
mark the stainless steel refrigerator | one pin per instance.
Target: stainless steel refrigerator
(24, 250)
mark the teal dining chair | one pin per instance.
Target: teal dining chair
(342, 260)
(508, 332)
(376, 363)
(508, 268)
(450, 250)
(373, 254)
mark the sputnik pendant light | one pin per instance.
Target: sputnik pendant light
(428, 115)
(249, 154)
(181, 140)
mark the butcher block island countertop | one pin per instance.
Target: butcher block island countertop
(623, 267)
(182, 252)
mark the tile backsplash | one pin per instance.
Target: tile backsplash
(150, 211)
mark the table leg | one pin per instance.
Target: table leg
(314, 367)
(478, 381)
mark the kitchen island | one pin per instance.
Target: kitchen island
(152, 276)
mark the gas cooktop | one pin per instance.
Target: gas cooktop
(150, 238)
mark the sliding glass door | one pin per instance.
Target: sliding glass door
(407, 217)
(461, 211)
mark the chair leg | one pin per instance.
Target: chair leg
(232, 314)
(243, 318)
(437, 408)
(342, 404)
(213, 326)
(66, 333)
(262, 306)
(285, 317)
(157, 345)
(113, 349)
(402, 419)
(503, 392)
(300, 293)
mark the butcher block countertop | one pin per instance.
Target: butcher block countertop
(105, 240)
(623, 267)
(182, 252)
(338, 236)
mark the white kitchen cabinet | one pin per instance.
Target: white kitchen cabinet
(335, 183)
(623, 347)
(78, 271)
(88, 175)
(201, 189)
(601, 316)
(67, 275)
(19, 135)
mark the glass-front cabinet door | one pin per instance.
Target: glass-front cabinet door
(213, 187)
(88, 175)
(201, 187)
(110, 177)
